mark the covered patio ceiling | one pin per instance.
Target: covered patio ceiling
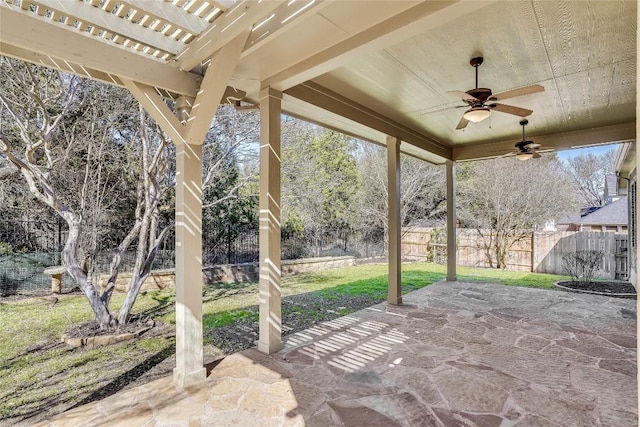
(369, 69)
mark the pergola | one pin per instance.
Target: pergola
(377, 70)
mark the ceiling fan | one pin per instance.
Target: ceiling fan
(481, 100)
(525, 150)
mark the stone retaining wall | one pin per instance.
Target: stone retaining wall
(161, 279)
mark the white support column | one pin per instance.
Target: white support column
(635, 231)
(395, 256)
(270, 339)
(189, 349)
(451, 221)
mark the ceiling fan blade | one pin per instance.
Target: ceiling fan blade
(510, 109)
(462, 123)
(532, 146)
(463, 95)
(516, 92)
(438, 110)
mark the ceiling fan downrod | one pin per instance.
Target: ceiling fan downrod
(475, 63)
(523, 123)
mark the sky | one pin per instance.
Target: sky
(596, 151)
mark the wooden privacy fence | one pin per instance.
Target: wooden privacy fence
(539, 252)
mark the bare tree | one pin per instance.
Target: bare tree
(422, 188)
(588, 172)
(91, 154)
(153, 185)
(506, 198)
(47, 109)
(37, 100)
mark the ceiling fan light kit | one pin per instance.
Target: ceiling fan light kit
(477, 114)
(524, 156)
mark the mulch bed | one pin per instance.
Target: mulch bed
(615, 289)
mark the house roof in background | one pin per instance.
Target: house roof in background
(616, 213)
(569, 219)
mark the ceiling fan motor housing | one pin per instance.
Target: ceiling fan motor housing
(481, 94)
(525, 145)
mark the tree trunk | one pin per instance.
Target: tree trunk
(103, 317)
(114, 268)
(139, 278)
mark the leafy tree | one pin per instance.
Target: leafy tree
(230, 191)
(231, 167)
(320, 179)
(588, 172)
(505, 199)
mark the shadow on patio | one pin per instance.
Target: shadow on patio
(454, 354)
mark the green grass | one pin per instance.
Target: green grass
(216, 320)
(39, 376)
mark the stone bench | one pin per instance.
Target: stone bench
(56, 273)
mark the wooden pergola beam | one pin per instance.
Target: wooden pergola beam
(86, 13)
(171, 13)
(225, 29)
(20, 30)
(212, 88)
(154, 104)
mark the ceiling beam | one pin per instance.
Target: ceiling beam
(322, 97)
(406, 24)
(54, 40)
(224, 29)
(623, 132)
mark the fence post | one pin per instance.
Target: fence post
(228, 229)
(533, 251)
(58, 254)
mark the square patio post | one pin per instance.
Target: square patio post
(451, 221)
(189, 349)
(395, 259)
(270, 339)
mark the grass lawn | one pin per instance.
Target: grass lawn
(39, 376)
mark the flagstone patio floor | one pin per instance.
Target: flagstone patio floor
(455, 354)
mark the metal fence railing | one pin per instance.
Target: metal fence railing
(28, 247)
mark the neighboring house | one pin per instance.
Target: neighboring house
(611, 217)
(568, 223)
(611, 189)
(626, 169)
(614, 216)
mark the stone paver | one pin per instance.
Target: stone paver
(455, 354)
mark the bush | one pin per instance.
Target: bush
(582, 265)
(5, 248)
